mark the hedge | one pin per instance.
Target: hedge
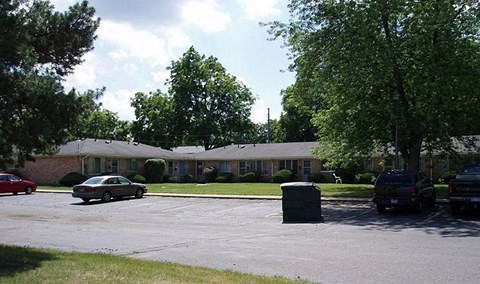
(282, 176)
(136, 178)
(249, 177)
(72, 179)
(224, 177)
(154, 169)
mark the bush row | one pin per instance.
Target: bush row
(154, 174)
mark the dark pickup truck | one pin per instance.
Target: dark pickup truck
(464, 189)
(403, 189)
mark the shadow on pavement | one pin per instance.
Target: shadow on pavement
(434, 220)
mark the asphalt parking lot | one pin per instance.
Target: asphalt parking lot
(355, 244)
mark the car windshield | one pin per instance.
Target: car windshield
(94, 180)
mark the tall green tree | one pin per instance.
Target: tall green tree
(95, 122)
(299, 108)
(154, 123)
(269, 132)
(382, 68)
(209, 104)
(38, 47)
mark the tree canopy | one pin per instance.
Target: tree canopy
(96, 122)
(381, 68)
(154, 124)
(299, 108)
(38, 47)
(209, 105)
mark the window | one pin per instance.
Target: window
(225, 167)
(182, 168)
(131, 165)
(289, 165)
(170, 168)
(95, 166)
(260, 167)
(368, 165)
(307, 170)
(242, 168)
(123, 180)
(114, 168)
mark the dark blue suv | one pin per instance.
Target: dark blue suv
(402, 188)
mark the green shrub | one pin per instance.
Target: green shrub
(187, 179)
(282, 176)
(154, 169)
(210, 174)
(365, 178)
(166, 178)
(72, 179)
(136, 178)
(224, 177)
(249, 177)
(445, 177)
(317, 178)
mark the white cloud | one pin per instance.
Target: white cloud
(260, 9)
(128, 42)
(61, 5)
(85, 75)
(206, 15)
(260, 112)
(119, 101)
(161, 76)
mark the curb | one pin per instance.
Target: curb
(244, 197)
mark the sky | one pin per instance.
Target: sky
(138, 39)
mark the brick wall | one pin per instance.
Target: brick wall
(49, 170)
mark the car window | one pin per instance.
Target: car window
(394, 179)
(3, 178)
(94, 180)
(471, 171)
(124, 180)
(13, 178)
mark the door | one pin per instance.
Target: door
(200, 171)
(115, 187)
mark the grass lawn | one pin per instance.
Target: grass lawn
(30, 265)
(330, 190)
(327, 189)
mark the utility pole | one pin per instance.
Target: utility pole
(268, 126)
(397, 97)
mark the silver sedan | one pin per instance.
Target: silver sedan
(107, 187)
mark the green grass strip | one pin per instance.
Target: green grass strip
(31, 265)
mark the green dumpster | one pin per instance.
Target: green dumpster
(301, 202)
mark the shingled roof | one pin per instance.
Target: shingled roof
(114, 148)
(277, 151)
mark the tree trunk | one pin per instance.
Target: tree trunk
(411, 156)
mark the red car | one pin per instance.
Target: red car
(12, 183)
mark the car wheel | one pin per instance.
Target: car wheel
(381, 208)
(419, 207)
(455, 209)
(433, 201)
(106, 196)
(28, 190)
(139, 193)
(86, 200)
